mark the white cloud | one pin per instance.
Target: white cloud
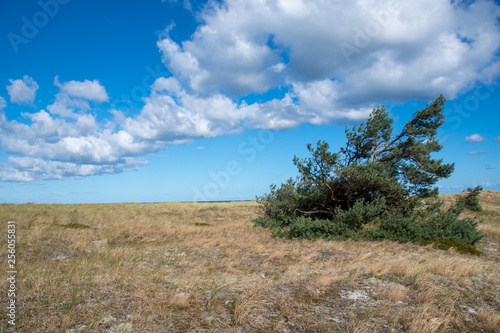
(74, 97)
(276, 114)
(481, 152)
(3, 103)
(173, 115)
(316, 102)
(463, 187)
(323, 99)
(78, 141)
(497, 139)
(66, 106)
(49, 147)
(10, 174)
(22, 91)
(474, 138)
(87, 90)
(29, 169)
(378, 51)
(66, 144)
(490, 185)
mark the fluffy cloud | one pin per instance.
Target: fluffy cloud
(67, 142)
(474, 138)
(79, 141)
(29, 168)
(497, 139)
(171, 115)
(376, 50)
(68, 107)
(87, 90)
(11, 174)
(3, 103)
(74, 96)
(316, 102)
(50, 147)
(22, 91)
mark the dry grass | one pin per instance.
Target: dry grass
(173, 267)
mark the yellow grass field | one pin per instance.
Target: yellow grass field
(204, 267)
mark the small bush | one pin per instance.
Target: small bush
(430, 223)
(281, 202)
(471, 199)
(303, 227)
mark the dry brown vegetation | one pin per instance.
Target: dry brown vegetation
(187, 267)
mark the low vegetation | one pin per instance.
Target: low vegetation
(172, 267)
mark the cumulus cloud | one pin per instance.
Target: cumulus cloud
(3, 103)
(36, 168)
(78, 141)
(474, 138)
(63, 143)
(51, 147)
(26, 169)
(22, 91)
(11, 174)
(480, 152)
(74, 97)
(174, 115)
(171, 115)
(87, 90)
(235, 64)
(316, 103)
(67, 107)
(376, 51)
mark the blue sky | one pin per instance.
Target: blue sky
(142, 101)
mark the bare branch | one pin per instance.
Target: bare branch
(312, 212)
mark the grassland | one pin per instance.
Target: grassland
(187, 267)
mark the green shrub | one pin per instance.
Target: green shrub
(471, 199)
(303, 227)
(430, 223)
(281, 202)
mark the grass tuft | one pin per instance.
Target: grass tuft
(449, 244)
(201, 224)
(75, 226)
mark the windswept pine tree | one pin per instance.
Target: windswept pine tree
(381, 185)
